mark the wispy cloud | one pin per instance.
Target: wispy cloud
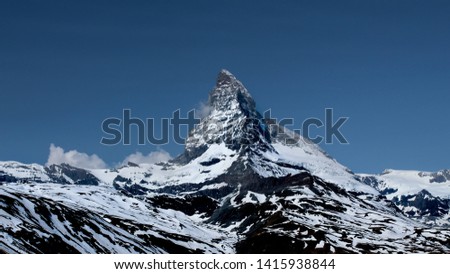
(203, 110)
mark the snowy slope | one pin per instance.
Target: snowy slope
(317, 218)
(18, 171)
(92, 219)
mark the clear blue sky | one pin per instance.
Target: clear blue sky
(65, 66)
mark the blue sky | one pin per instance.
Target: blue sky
(65, 66)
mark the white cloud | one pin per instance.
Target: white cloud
(82, 160)
(74, 158)
(151, 158)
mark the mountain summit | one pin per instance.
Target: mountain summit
(244, 184)
(225, 78)
(232, 120)
(230, 92)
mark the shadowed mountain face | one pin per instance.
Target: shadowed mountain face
(243, 185)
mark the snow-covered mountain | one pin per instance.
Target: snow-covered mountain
(243, 184)
(424, 196)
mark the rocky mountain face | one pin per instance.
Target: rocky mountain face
(243, 185)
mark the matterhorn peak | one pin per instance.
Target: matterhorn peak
(230, 94)
(233, 120)
(225, 78)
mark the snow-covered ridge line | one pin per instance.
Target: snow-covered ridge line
(407, 182)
